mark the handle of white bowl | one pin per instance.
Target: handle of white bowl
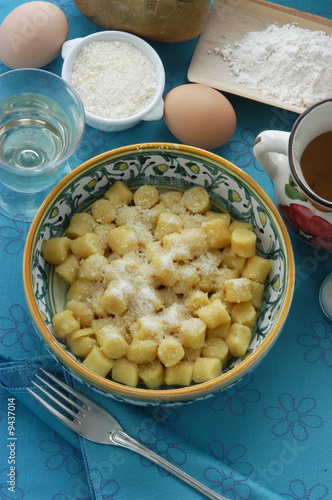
(66, 47)
(156, 113)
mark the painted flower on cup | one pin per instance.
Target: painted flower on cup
(293, 417)
(304, 222)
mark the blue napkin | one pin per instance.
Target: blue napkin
(105, 465)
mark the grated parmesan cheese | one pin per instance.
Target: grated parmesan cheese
(114, 79)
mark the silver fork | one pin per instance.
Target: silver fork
(96, 424)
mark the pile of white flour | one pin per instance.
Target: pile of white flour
(289, 63)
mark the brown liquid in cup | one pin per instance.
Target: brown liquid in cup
(316, 164)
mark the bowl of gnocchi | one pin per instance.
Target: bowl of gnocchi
(158, 273)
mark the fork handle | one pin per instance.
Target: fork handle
(121, 438)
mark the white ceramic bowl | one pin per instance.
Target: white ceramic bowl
(154, 110)
(170, 166)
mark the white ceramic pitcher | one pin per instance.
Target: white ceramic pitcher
(279, 153)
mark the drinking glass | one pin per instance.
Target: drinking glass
(42, 122)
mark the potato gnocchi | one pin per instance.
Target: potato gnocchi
(162, 290)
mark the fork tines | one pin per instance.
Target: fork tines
(67, 409)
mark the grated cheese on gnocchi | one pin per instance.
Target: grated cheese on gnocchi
(162, 290)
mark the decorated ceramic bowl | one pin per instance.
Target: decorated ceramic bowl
(169, 166)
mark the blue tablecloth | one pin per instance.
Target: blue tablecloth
(267, 437)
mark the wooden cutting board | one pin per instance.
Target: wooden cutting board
(228, 22)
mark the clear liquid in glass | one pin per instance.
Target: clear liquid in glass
(34, 134)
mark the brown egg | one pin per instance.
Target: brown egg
(199, 116)
(31, 35)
